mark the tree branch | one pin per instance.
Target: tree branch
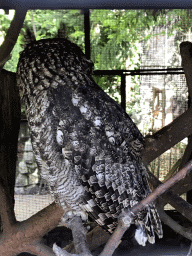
(23, 234)
(161, 189)
(12, 35)
(39, 249)
(168, 136)
(6, 211)
(187, 153)
(172, 198)
(186, 232)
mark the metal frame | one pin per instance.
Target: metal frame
(140, 72)
(96, 4)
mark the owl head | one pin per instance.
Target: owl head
(50, 63)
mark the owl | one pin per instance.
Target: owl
(86, 146)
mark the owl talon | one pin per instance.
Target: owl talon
(59, 252)
(71, 214)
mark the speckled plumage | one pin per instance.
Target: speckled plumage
(87, 148)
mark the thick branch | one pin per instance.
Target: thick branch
(186, 232)
(168, 136)
(187, 153)
(6, 211)
(39, 249)
(24, 234)
(95, 238)
(9, 130)
(163, 188)
(173, 198)
(12, 35)
(178, 203)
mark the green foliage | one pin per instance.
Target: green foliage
(5, 21)
(45, 24)
(115, 38)
(134, 97)
(110, 84)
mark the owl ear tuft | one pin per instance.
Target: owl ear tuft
(29, 35)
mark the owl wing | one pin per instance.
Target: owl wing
(104, 145)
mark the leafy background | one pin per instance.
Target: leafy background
(115, 39)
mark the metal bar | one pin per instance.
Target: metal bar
(96, 4)
(87, 33)
(154, 73)
(133, 73)
(108, 72)
(123, 92)
(140, 70)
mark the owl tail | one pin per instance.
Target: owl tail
(146, 230)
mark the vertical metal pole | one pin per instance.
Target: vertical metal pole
(87, 33)
(123, 92)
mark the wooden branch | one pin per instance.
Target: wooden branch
(39, 249)
(186, 232)
(12, 35)
(79, 237)
(172, 196)
(186, 55)
(173, 169)
(187, 153)
(183, 186)
(23, 234)
(115, 238)
(163, 188)
(178, 203)
(9, 130)
(168, 136)
(95, 238)
(6, 211)
(165, 138)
